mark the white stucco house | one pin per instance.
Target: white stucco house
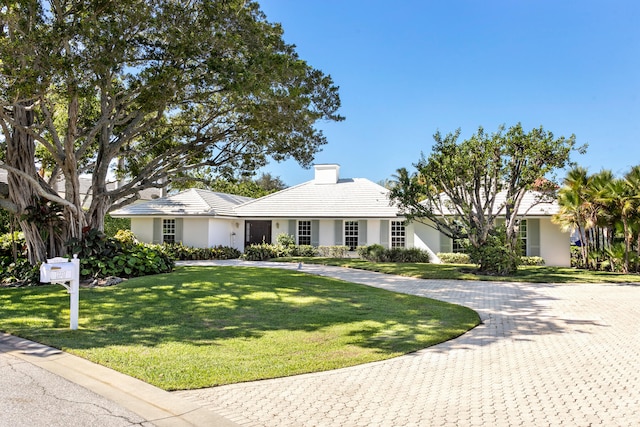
(325, 211)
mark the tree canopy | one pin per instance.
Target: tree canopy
(146, 90)
(455, 189)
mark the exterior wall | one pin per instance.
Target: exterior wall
(235, 234)
(142, 228)
(327, 233)
(424, 237)
(195, 231)
(373, 232)
(554, 244)
(224, 232)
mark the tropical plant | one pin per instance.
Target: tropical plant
(605, 211)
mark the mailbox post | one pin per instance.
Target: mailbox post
(60, 270)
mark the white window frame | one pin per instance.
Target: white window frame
(168, 230)
(523, 235)
(398, 237)
(351, 231)
(304, 232)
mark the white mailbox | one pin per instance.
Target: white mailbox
(61, 270)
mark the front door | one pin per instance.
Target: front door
(257, 232)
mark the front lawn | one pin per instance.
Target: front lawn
(207, 326)
(530, 274)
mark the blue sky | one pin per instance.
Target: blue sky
(409, 68)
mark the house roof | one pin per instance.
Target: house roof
(192, 202)
(342, 198)
(534, 203)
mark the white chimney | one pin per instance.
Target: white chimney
(327, 174)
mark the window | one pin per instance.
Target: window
(458, 246)
(304, 232)
(168, 231)
(522, 236)
(397, 234)
(351, 234)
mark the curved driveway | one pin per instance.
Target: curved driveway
(546, 354)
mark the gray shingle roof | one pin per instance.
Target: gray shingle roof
(533, 204)
(347, 198)
(192, 202)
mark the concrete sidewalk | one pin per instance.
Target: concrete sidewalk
(42, 387)
(545, 354)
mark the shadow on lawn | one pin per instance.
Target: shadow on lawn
(207, 305)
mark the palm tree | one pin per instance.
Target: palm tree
(632, 178)
(621, 200)
(574, 208)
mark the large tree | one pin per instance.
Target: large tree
(456, 188)
(145, 90)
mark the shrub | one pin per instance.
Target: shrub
(286, 240)
(531, 260)
(181, 252)
(378, 253)
(261, 252)
(102, 256)
(371, 253)
(16, 271)
(454, 258)
(495, 257)
(113, 225)
(333, 251)
(305, 251)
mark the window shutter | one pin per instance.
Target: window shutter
(533, 237)
(179, 228)
(362, 233)
(157, 231)
(384, 233)
(292, 228)
(339, 233)
(446, 244)
(315, 233)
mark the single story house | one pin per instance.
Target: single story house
(325, 211)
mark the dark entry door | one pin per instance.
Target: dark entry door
(257, 232)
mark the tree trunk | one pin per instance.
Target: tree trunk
(21, 155)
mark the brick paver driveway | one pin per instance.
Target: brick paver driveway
(544, 355)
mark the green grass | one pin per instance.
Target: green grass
(207, 326)
(530, 274)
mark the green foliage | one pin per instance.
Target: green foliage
(113, 225)
(454, 258)
(456, 186)
(286, 240)
(337, 251)
(305, 251)
(265, 251)
(181, 252)
(244, 186)
(531, 260)
(494, 256)
(371, 253)
(16, 271)
(5, 221)
(125, 237)
(378, 253)
(285, 247)
(102, 256)
(604, 212)
(188, 84)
